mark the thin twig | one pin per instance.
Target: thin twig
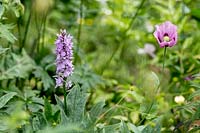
(79, 31)
(134, 17)
(109, 60)
(110, 109)
(26, 30)
(39, 25)
(19, 33)
(43, 30)
(123, 37)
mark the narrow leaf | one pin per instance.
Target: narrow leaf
(20, 66)
(96, 111)
(111, 128)
(47, 110)
(46, 79)
(64, 119)
(59, 102)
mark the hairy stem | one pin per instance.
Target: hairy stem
(165, 50)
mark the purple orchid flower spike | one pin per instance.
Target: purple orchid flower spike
(64, 53)
(166, 34)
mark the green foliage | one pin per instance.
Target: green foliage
(95, 112)
(115, 88)
(18, 66)
(135, 129)
(111, 128)
(124, 128)
(45, 78)
(5, 29)
(47, 110)
(11, 5)
(76, 101)
(38, 122)
(88, 79)
(5, 32)
(3, 50)
(5, 98)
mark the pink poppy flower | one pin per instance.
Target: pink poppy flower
(166, 34)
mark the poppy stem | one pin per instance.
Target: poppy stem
(156, 92)
(165, 51)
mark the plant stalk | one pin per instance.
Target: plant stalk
(65, 99)
(165, 51)
(26, 30)
(156, 90)
(79, 31)
(123, 37)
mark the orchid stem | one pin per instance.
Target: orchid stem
(165, 51)
(65, 100)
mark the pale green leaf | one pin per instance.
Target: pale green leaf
(5, 98)
(39, 122)
(2, 10)
(139, 98)
(76, 101)
(156, 79)
(96, 111)
(64, 119)
(46, 79)
(3, 50)
(111, 128)
(124, 128)
(135, 129)
(59, 102)
(21, 66)
(5, 32)
(3, 126)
